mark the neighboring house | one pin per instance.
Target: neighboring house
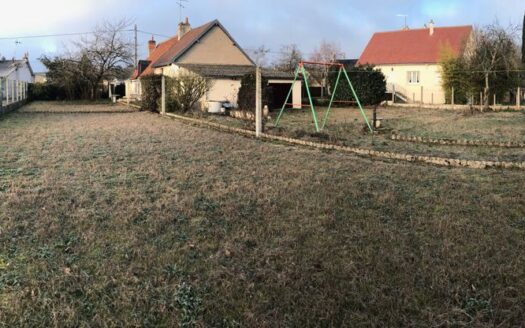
(14, 77)
(409, 59)
(40, 78)
(210, 51)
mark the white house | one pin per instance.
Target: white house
(409, 59)
(15, 75)
(210, 51)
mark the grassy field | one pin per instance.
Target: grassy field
(131, 220)
(346, 127)
(451, 124)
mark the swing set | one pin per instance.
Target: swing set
(301, 70)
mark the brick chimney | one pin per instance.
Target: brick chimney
(184, 27)
(152, 44)
(431, 27)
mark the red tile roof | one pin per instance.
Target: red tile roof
(168, 50)
(414, 46)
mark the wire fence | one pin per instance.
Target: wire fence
(437, 95)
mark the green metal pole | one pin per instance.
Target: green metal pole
(358, 102)
(287, 98)
(314, 114)
(332, 100)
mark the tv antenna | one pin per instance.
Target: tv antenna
(405, 17)
(182, 5)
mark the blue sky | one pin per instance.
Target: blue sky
(251, 22)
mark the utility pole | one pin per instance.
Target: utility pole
(258, 102)
(136, 30)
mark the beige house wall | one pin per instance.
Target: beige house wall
(220, 90)
(215, 48)
(429, 86)
(223, 90)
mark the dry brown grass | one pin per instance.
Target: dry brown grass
(451, 124)
(135, 220)
(74, 107)
(346, 127)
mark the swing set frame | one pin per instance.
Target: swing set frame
(301, 70)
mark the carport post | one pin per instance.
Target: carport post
(163, 98)
(258, 102)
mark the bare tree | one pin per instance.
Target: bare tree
(108, 50)
(494, 56)
(327, 52)
(289, 58)
(259, 56)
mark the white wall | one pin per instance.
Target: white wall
(429, 79)
(223, 90)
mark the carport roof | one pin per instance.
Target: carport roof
(233, 71)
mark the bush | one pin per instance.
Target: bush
(45, 92)
(182, 92)
(369, 85)
(246, 98)
(185, 91)
(151, 92)
(453, 76)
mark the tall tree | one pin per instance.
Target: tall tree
(259, 56)
(493, 60)
(289, 58)
(108, 50)
(104, 55)
(523, 42)
(326, 52)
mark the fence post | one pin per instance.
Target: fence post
(422, 98)
(432, 98)
(494, 99)
(518, 98)
(453, 98)
(393, 93)
(258, 102)
(414, 97)
(481, 104)
(1, 96)
(163, 98)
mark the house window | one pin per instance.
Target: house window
(413, 77)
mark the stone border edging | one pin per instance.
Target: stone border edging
(456, 142)
(438, 161)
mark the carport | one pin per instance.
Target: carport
(280, 84)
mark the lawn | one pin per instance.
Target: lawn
(128, 220)
(346, 126)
